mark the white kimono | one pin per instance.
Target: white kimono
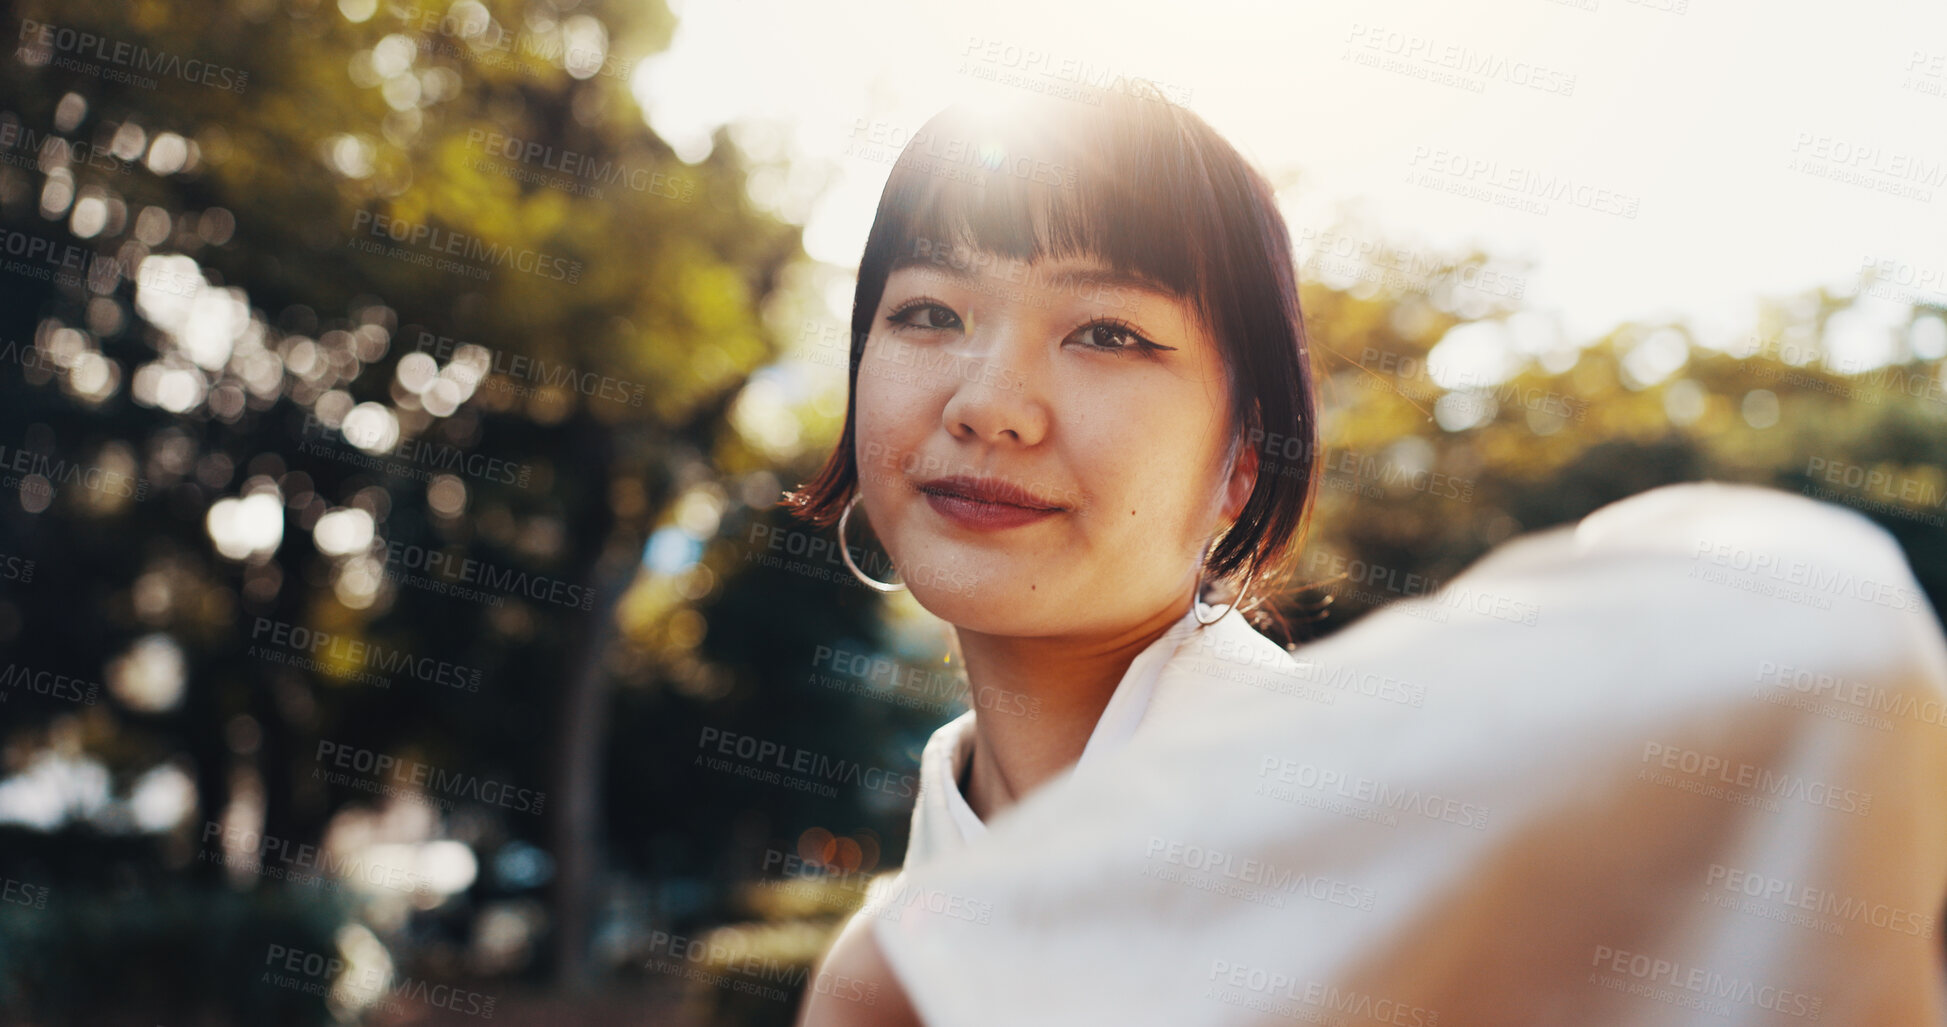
(1682, 762)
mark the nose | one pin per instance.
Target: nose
(998, 397)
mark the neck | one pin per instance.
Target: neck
(1066, 679)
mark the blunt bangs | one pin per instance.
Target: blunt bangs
(1148, 191)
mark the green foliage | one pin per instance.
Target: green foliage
(609, 401)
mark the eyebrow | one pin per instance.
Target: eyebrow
(1065, 279)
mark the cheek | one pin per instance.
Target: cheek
(1149, 462)
(895, 412)
(1142, 538)
(1149, 447)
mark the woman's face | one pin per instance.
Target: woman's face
(1043, 449)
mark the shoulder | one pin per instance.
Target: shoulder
(1218, 663)
(854, 986)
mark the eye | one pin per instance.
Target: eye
(926, 315)
(1111, 334)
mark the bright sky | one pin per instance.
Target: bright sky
(1762, 148)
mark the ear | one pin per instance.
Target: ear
(1243, 478)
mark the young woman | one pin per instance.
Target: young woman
(1081, 407)
(1080, 397)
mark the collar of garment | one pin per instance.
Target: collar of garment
(942, 819)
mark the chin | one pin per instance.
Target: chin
(989, 609)
(1004, 610)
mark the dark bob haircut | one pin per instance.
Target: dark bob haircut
(1145, 188)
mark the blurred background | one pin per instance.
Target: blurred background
(396, 622)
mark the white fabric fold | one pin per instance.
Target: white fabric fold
(1679, 763)
(942, 820)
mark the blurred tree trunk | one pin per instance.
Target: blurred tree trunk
(580, 745)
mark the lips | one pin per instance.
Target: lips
(985, 504)
(987, 490)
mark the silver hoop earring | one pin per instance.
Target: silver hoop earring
(845, 551)
(1198, 596)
